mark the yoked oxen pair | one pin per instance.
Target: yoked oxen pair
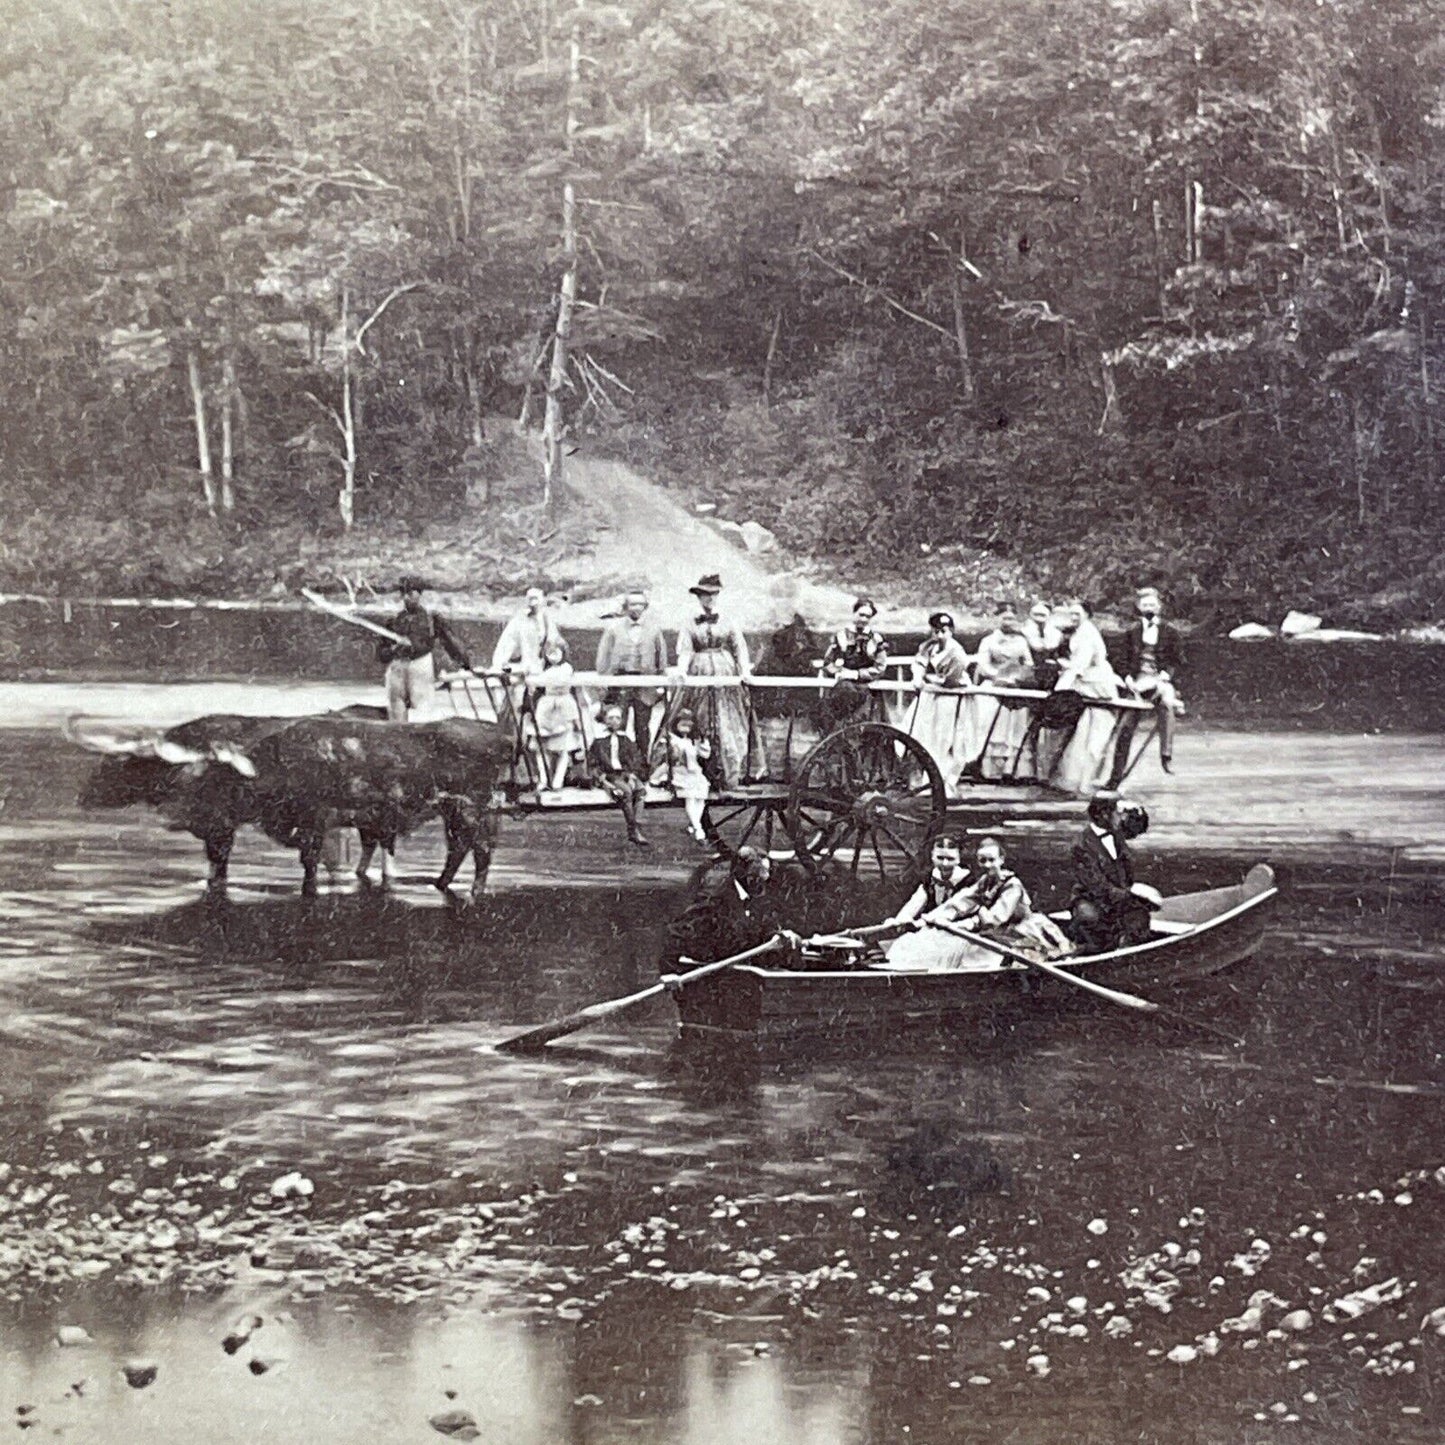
(298, 778)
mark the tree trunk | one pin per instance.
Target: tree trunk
(348, 420)
(553, 426)
(1425, 400)
(960, 328)
(203, 441)
(1157, 215)
(771, 356)
(228, 439)
(474, 404)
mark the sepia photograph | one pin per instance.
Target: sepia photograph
(722, 722)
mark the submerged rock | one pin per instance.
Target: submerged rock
(456, 1424)
(140, 1373)
(1296, 624)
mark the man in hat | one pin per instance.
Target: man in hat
(1108, 909)
(527, 636)
(410, 670)
(1152, 656)
(633, 645)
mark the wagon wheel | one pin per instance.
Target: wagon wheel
(871, 793)
(730, 823)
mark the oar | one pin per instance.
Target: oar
(1063, 975)
(356, 620)
(866, 931)
(534, 1039)
(1124, 1000)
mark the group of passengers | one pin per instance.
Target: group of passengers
(977, 715)
(947, 922)
(997, 732)
(706, 739)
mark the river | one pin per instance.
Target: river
(264, 1107)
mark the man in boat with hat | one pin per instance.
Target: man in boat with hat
(732, 916)
(1108, 909)
(410, 669)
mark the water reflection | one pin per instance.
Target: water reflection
(644, 1238)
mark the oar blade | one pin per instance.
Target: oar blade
(534, 1040)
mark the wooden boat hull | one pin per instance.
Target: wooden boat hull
(1202, 933)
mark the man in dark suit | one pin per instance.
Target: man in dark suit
(634, 645)
(730, 917)
(1151, 662)
(616, 765)
(1108, 909)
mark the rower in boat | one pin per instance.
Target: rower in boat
(732, 916)
(1108, 909)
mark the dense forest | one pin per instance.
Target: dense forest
(1112, 288)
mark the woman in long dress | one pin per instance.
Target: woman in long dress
(1087, 672)
(709, 646)
(940, 673)
(1005, 661)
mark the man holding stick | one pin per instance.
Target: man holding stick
(410, 669)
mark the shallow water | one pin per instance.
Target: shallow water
(639, 1239)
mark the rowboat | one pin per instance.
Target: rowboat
(1193, 936)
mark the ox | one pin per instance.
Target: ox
(297, 779)
(383, 779)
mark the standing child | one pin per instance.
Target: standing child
(554, 710)
(685, 753)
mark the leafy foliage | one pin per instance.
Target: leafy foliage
(1149, 288)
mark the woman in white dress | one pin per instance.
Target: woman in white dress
(1084, 762)
(1004, 661)
(940, 673)
(711, 647)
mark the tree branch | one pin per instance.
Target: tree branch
(870, 289)
(329, 411)
(376, 315)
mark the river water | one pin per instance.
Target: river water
(934, 1238)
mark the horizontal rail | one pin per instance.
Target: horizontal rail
(683, 682)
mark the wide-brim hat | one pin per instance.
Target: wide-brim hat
(708, 586)
(411, 583)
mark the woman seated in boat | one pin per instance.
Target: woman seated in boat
(1005, 661)
(928, 914)
(946, 875)
(997, 905)
(934, 716)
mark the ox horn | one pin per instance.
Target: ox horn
(233, 758)
(169, 752)
(99, 738)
